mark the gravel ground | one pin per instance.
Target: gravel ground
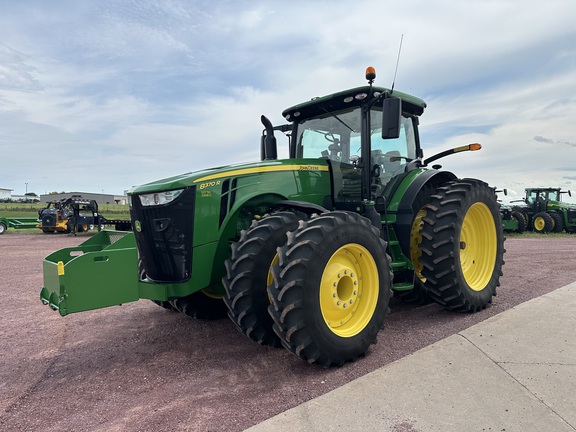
(139, 367)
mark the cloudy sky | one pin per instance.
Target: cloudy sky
(104, 95)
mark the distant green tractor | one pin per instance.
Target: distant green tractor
(303, 252)
(545, 212)
(512, 220)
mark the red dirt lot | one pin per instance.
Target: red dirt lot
(139, 367)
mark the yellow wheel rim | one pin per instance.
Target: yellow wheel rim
(270, 277)
(539, 223)
(478, 245)
(212, 295)
(349, 290)
(415, 241)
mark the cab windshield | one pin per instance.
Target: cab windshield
(551, 195)
(337, 137)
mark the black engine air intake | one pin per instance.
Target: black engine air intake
(164, 237)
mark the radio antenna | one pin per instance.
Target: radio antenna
(397, 61)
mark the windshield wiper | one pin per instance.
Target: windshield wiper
(337, 118)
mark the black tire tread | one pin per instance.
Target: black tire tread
(558, 222)
(296, 259)
(440, 245)
(548, 222)
(246, 273)
(522, 224)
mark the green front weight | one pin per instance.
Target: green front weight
(100, 272)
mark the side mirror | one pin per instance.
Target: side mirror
(391, 116)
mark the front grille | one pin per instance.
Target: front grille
(164, 237)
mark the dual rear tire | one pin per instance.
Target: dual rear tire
(462, 245)
(545, 222)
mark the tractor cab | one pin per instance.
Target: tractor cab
(538, 198)
(351, 131)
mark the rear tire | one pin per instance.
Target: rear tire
(418, 294)
(165, 305)
(331, 290)
(197, 305)
(558, 222)
(248, 275)
(3, 228)
(463, 245)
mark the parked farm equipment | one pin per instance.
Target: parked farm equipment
(512, 220)
(545, 211)
(75, 214)
(303, 252)
(17, 223)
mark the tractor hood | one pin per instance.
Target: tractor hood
(213, 174)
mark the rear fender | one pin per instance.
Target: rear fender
(406, 199)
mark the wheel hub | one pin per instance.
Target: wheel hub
(349, 290)
(344, 288)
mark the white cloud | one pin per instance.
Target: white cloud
(132, 91)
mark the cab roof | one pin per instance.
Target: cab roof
(343, 99)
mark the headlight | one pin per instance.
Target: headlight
(160, 198)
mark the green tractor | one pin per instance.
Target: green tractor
(304, 252)
(545, 211)
(512, 219)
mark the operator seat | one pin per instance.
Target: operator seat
(391, 168)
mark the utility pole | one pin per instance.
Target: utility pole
(26, 188)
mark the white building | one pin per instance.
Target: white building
(5, 193)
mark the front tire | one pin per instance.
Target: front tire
(463, 245)
(331, 290)
(542, 223)
(3, 228)
(248, 275)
